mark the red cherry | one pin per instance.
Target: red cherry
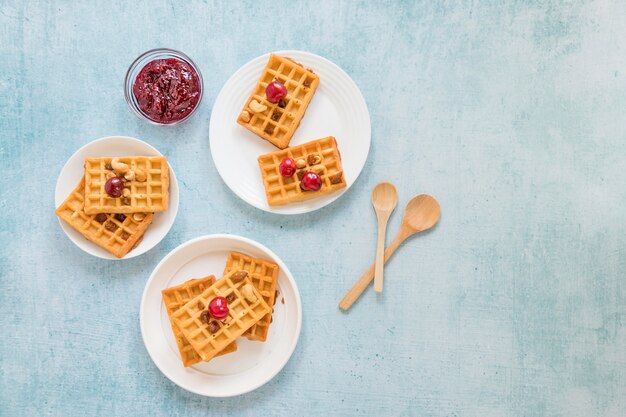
(275, 91)
(287, 167)
(218, 307)
(311, 182)
(114, 187)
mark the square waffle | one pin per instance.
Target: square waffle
(148, 195)
(320, 156)
(263, 275)
(117, 233)
(278, 121)
(176, 297)
(242, 315)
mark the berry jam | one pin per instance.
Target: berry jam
(167, 90)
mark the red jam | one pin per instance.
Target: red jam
(167, 90)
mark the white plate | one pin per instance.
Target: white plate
(337, 109)
(74, 169)
(254, 363)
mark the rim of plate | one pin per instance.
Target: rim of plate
(271, 255)
(301, 207)
(90, 247)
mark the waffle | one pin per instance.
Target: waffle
(284, 190)
(242, 315)
(149, 195)
(176, 297)
(119, 234)
(278, 122)
(263, 275)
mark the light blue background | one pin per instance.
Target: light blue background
(511, 113)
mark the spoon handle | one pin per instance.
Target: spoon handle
(380, 249)
(357, 289)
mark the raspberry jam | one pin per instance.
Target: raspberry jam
(167, 90)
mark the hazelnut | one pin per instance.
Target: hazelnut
(230, 297)
(100, 218)
(282, 103)
(214, 326)
(130, 175)
(125, 235)
(118, 167)
(269, 129)
(120, 217)
(110, 226)
(245, 116)
(239, 276)
(139, 216)
(248, 292)
(257, 107)
(140, 175)
(300, 163)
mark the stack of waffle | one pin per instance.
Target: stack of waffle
(117, 224)
(249, 286)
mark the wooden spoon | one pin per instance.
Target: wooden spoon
(384, 200)
(421, 213)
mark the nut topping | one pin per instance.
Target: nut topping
(126, 201)
(230, 297)
(101, 218)
(269, 129)
(301, 174)
(248, 292)
(110, 226)
(120, 217)
(140, 175)
(205, 317)
(282, 103)
(257, 107)
(130, 175)
(307, 83)
(300, 163)
(200, 305)
(108, 166)
(214, 326)
(109, 175)
(124, 235)
(276, 115)
(119, 167)
(239, 276)
(126, 192)
(245, 116)
(313, 159)
(139, 216)
(336, 179)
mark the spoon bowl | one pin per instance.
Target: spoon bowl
(384, 197)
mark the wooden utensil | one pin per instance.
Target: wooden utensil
(421, 213)
(384, 200)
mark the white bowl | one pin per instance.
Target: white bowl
(72, 172)
(254, 363)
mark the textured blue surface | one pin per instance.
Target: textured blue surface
(511, 114)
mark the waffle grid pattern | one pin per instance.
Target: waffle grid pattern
(118, 234)
(145, 196)
(276, 124)
(241, 317)
(176, 297)
(263, 275)
(284, 190)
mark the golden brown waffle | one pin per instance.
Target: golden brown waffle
(278, 121)
(263, 275)
(284, 190)
(148, 183)
(117, 233)
(242, 315)
(176, 297)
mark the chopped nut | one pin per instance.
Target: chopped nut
(245, 116)
(140, 175)
(100, 218)
(230, 297)
(119, 167)
(130, 175)
(108, 166)
(300, 163)
(109, 175)
(110, 226)
(318, 169)
(239, 276)
(307, 83)
(269, 129)
(214, 326)
(282, 103)
(126, 201)
(205, 317)
(336, 179)
(301, 174)
(126, 192)
(120, 217)
(257, 107)
(124, 235)
(310, 159)
(248, 292)
(200, 305)
(276, 115)
(139, 216)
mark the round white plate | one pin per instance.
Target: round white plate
(254, 363)
(74, 169)
(337, 109)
